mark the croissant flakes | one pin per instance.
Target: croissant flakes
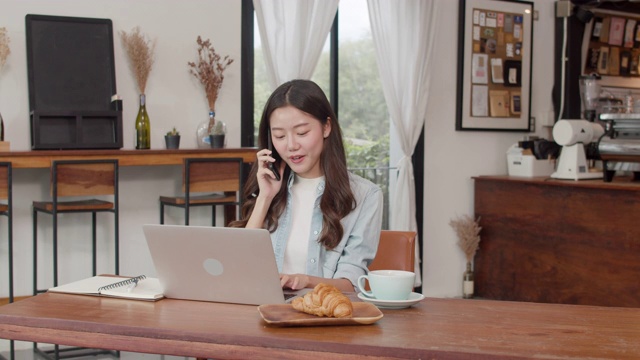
(324, 300)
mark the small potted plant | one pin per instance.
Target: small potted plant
(217, 134)
(172, 139)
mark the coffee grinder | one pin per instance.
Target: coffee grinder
(573, 135)
(590, 93)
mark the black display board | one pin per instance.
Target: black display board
(72, 80)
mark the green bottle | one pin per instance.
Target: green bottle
(143, 127)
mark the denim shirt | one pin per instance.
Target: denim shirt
(359, 243)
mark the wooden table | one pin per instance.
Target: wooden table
(432, 329)
(558, 241)
(43, 158)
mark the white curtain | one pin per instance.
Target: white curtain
(404, 34)
(293, 33)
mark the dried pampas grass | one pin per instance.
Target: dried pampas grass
(209, 70)
(468, 231)
(140, 51)
(4, 47)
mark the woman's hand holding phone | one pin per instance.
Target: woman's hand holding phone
(267, 182)
(272, 165)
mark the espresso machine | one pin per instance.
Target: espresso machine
(610, 132)
(619, 147)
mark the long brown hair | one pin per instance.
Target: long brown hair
(337, 200)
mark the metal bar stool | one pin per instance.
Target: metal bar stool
(208, 182)
(74, 186)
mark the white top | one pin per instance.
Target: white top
(303, 193)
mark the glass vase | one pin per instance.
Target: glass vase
(204, 130)
(467, 282)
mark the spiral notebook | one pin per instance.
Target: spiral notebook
(138, 288)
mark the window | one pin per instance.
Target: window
(358, 99)
(361, 108)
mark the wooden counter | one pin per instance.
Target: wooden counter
(126, 157)
(558, 241)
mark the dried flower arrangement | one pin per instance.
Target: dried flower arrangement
(140, 51)
(468, 231)
(4, 47)
(4, 54)
(209, 70)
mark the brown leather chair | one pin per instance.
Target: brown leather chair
(396, 251)
(208, 182)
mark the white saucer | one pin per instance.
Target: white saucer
(414, 298)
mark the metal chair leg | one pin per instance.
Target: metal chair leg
(35, 252)
(94, 242)
(55, 248)
(116, 225)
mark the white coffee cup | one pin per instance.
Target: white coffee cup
(387, 284)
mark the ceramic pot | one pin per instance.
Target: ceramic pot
(216, 141)
(172, 141)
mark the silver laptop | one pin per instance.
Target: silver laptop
(219, 264)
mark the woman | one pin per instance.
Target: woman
(324, 221)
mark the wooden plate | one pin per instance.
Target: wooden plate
(286, 315)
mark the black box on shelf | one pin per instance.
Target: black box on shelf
(72, 82)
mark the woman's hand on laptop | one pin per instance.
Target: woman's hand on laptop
(294, 281)
(301, 281)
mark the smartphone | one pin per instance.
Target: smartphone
(272, 166)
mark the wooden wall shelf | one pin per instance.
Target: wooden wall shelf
(43, 158)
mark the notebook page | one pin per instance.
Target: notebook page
(147, 289)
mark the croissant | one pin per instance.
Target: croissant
(324, 300)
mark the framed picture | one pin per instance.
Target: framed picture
(494, 65)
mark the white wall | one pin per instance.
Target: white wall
(174, 98)
(452, 157)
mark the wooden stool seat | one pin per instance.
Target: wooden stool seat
(199, 199)
(80, 205)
